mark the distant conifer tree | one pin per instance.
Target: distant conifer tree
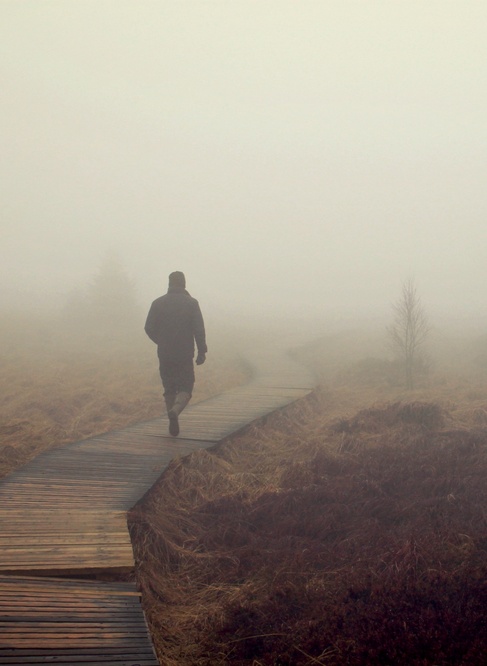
(108, 305)
(111, 295)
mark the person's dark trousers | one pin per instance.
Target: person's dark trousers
(177, 377)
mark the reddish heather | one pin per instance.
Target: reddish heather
(357, 541)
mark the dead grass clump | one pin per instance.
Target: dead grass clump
(423, 414)
(294, 551)
(371, 372)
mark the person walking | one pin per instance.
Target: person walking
(175, 323)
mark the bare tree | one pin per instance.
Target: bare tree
(409, 331)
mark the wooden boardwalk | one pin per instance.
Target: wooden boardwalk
(64, 515)
(66, 622)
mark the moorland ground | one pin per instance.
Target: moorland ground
(349, 528)
(61, 382)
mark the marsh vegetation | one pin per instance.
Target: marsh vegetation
(348, 528)
(63, 380)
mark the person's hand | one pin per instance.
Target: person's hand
(200, 359)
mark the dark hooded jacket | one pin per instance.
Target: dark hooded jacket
(174, 323)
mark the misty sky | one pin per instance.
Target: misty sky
(287, 156)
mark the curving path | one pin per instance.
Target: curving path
(63, 515)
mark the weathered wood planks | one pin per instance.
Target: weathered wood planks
(72, 622)
(64, 513)
(63, 540)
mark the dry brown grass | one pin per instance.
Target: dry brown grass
(337, 533)
(348, 529)
(59, 384)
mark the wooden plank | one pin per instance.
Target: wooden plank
(91, 603)
(59, 538)
(73, 654)
(29, 582)
(81, 618)
(85, 659)
(90, 639)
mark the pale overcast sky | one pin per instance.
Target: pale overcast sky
(287, 156)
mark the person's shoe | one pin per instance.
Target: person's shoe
(173, 423)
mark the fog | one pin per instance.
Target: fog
(292, 158)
